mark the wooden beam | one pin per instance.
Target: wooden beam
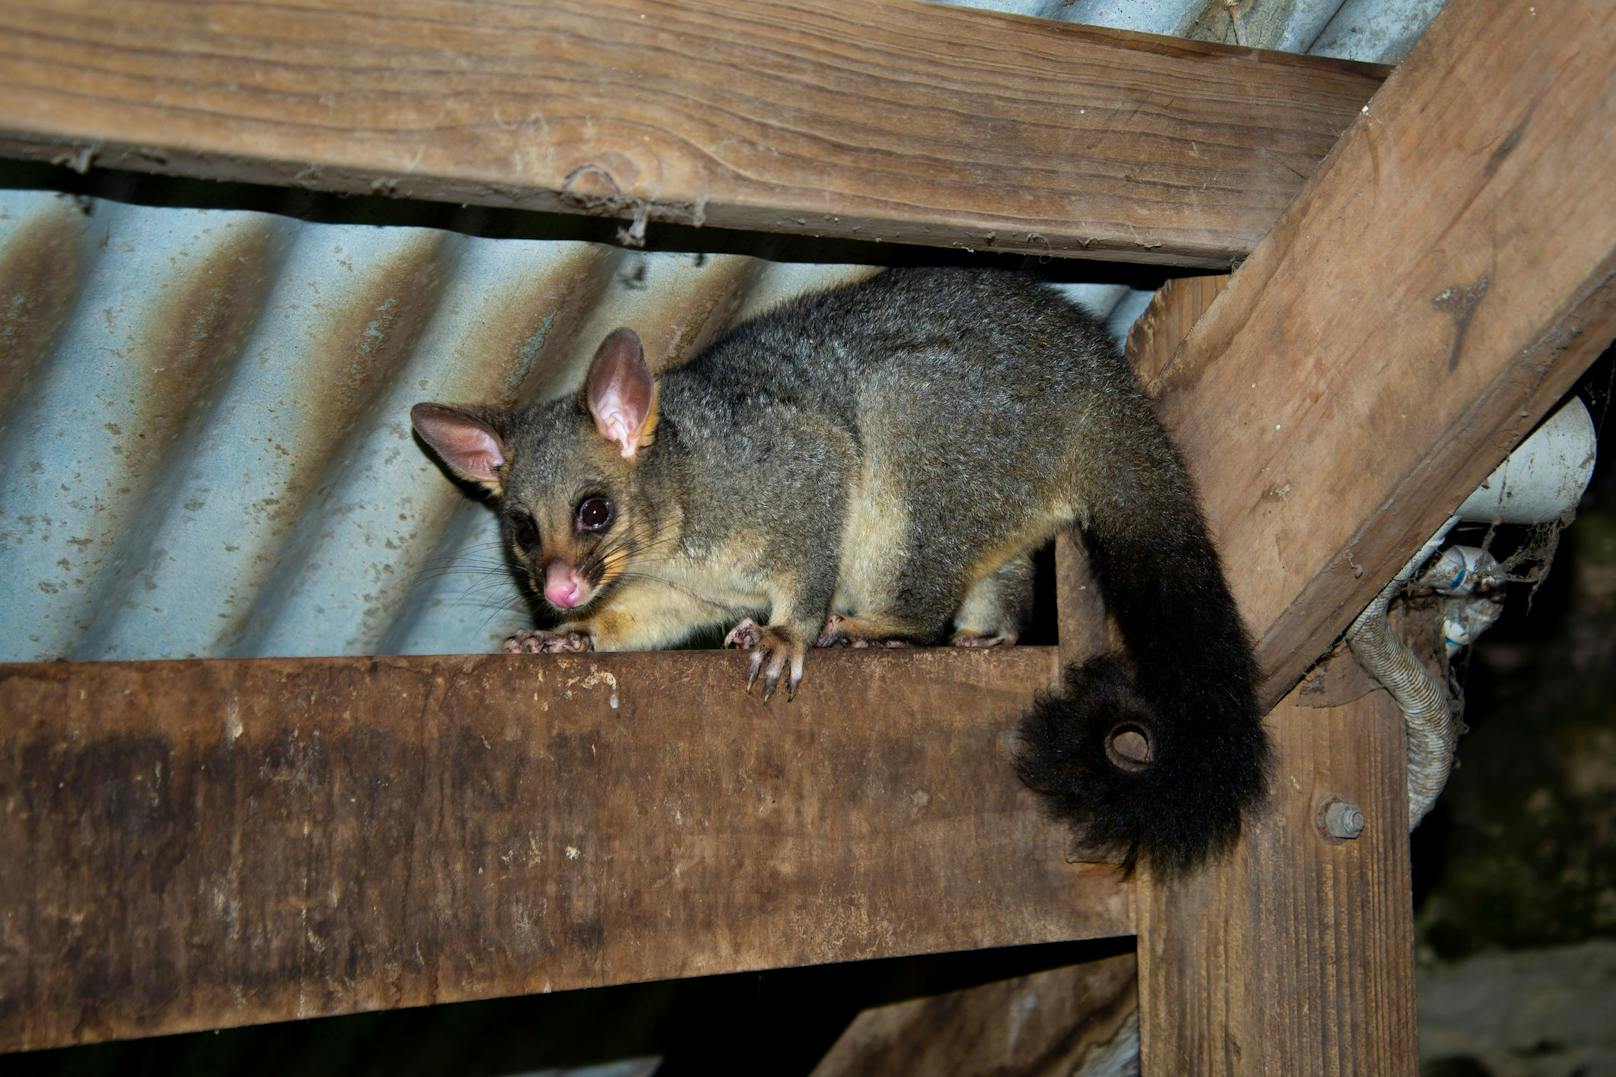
(899, 122)
(1296, 953)
(1155, 338)
(190, 845)
(1437, 288)
(1078, 1018)
(1432, 292)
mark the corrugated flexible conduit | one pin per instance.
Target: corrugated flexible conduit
(1540, 481)
(1428, 718)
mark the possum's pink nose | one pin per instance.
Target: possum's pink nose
(564, 588)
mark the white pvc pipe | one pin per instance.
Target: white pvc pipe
(1544, 477)
(1540, 481)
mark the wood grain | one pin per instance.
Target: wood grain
(1079, 611)
(1432, 292)
(898, 122)
(1075, 1019)
(1295, 955)
(196, 844)
(1155, 340)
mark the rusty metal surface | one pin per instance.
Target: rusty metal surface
(204, 418)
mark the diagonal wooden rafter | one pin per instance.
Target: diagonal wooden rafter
(896, 122)
(1431, 292)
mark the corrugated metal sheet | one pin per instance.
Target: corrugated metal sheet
(203, 413)
(205, 417)
(1373, 30)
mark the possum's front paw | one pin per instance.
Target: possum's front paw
(538, 641)
(773, 651)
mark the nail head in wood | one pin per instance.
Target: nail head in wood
(1341, 819)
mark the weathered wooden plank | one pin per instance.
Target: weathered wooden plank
(1267, 907)
(1074, 1019)
(1435, 288)
(903, 121)
(191, 845)
(1079, 611)
(1295, 955)
(1155, 338)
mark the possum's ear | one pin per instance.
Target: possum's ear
(620, 394)
(467, 439)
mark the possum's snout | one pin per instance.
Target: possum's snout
(565, 587)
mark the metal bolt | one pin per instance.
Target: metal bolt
(1342, 819)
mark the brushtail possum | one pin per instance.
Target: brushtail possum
(875, 464)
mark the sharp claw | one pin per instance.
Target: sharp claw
(771, 679)
(795, 678)
(774, 653)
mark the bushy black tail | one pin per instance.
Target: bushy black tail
(1158, 754)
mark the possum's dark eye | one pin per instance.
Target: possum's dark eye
(595, 514)
(524, 532)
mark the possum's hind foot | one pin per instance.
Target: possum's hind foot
(850, 632)
(967, 638)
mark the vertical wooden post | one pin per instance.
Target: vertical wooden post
(1079, 613)
(1295, 954)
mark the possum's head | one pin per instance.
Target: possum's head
(569, 476)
